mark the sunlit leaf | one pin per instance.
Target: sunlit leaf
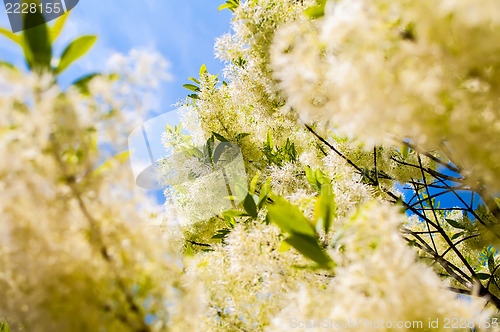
(308, 246)
(264, 191)
(78, 48)
(249, 206)
(12, 36)
(192, 87)
(289, 218)
(203, 70)
(455, 224)
(55, 31)
(325, 209)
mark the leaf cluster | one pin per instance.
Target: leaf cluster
(279, 156)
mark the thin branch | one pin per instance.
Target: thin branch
(460, 290)
(441, 231)
(324, 141)
(434, 185)
(432, 172)
(489, 201)
(200, 244)
(430, 156)
(449, 267)
(443, 209)
(427, 224)
(375, 164)
(433, 196)
(469, 208)
(446, 265)
(460, 241)
(492, 276)
(419, 232)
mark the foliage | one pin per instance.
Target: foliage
(286, 94)
(230, 4)
(278, 156)
(37, 44)
(351, 137)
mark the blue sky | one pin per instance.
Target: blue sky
(183, 31)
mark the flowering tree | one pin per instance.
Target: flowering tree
(347, 115)
(346, 103)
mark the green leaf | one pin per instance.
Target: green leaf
(4, 327)
(325, 209)
(240, 187)
(250, 207)
(316, 11)
(78, 48)
(253, 183)
(483, 276)
(405, 150)
(191, 151)
(230, 4)
(221, 234)
(269, 140)
(219, 150)
(209, 147)
(192, 87)
(309, 247)
(289, 218)
(315, 178)
(37, 45)
(264, 191)
(12, 36)
(491, 263)
(455, 224)
(220, 137)
(8, 65)
(230, 222)
(189, 250)
(311, 178)
(55, 31)
(194, 80)
(321, 178)
(241, 136)
(234, 213)
(457, 235)
(224, 6)
(284, 246)
(32, 19)
(83, 83)
(203, 70)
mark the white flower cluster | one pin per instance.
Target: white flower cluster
(378, 279)
(248, 280)
(75, 250)
(378, 74)
(248, 102)
(385, 70)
